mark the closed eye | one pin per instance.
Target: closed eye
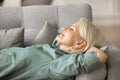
(72, 28)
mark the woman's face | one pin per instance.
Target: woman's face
(70, 35)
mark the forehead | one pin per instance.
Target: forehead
(76, 25)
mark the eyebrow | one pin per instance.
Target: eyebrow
(73, 28)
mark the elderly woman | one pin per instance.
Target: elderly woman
(74, 51)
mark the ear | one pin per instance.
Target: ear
(80, 45)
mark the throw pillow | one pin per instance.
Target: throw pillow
(11, 37)
(46, 35)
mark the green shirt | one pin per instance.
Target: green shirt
(43, 62)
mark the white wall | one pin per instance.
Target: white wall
(9, 3)
(104, 11)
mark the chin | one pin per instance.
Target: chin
(59, 40)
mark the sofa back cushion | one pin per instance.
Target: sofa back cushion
(34, 18)
(10, 17)
(11, 33)
(69, 14)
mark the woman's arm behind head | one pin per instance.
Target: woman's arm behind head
(100, 54)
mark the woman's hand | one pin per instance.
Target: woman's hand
(100, 54)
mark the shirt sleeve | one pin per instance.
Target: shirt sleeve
(73, 64)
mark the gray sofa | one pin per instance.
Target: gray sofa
(19, 26)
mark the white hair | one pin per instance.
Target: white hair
(91, 34)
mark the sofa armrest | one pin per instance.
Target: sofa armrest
(113, 63)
